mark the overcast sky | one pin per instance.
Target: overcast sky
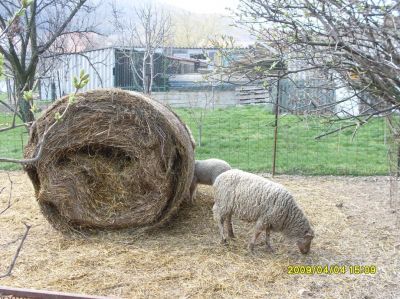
(204, 6)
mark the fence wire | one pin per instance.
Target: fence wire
(243, 136)
(12, 142)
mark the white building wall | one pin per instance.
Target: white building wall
(98, 64)
(197, 99)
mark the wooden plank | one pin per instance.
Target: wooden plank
(249, 88)
(251, 93)
(253, 102)
(250, 98)
(34, 294)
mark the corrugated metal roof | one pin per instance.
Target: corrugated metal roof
(139, 47)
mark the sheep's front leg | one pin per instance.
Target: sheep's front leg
(257, 231)
(228, 226)
(268, 239)
(221, 230)
(220, 222)
(193, 189)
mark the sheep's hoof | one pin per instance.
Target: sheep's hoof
(224, 242)
(251, 248)
(269, 249)
(231, 235)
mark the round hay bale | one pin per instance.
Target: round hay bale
(117, 159)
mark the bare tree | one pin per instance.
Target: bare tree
(40, 28)
(356, 44)
(198, 108)
(150, 30)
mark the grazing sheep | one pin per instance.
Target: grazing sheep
(206, 171)
(255, 199)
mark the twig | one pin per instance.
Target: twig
(14, 111)
(9, 198)
(336, 130)
(47, 130)
(10, 23)
(14, 127)
(11, 242)
(11, 267)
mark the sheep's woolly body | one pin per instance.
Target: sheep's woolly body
(206, 171)
(256, 199)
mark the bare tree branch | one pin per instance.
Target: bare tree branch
(354, 44)
(21, 244)
(9, 197)
(150, 32)
(44, 27)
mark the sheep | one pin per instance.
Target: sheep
(255, 199)
(206, 171)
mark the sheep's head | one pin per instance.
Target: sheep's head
(304, 243)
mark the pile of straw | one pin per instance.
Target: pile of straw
(117, 159)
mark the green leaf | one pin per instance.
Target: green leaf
(34, 108)
(75, 82)
(26, 3)
(21, 12)
(84, 77)
(85, 82)
(57, 116)
(71, 99)
(28, 95)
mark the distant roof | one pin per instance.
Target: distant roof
(133, 48)
(175, 47)
(170, 47)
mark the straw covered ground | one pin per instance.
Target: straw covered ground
(352, 218)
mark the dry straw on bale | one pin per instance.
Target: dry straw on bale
(117, 159)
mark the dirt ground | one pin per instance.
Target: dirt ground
(352, 217)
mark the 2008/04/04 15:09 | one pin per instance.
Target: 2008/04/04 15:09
(332, 269)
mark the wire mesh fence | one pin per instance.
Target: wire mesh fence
(12, 142)
(243, 135)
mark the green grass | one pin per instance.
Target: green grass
(243, 136)
(11, 142)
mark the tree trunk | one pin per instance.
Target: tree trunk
(10, 91)
(151, 73)
(146, 77)
(25, 110)
(200, 133)
(398, 161)
(24, 106)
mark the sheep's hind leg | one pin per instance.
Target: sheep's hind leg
(229, 227)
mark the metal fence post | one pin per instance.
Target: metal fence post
(276, 124)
